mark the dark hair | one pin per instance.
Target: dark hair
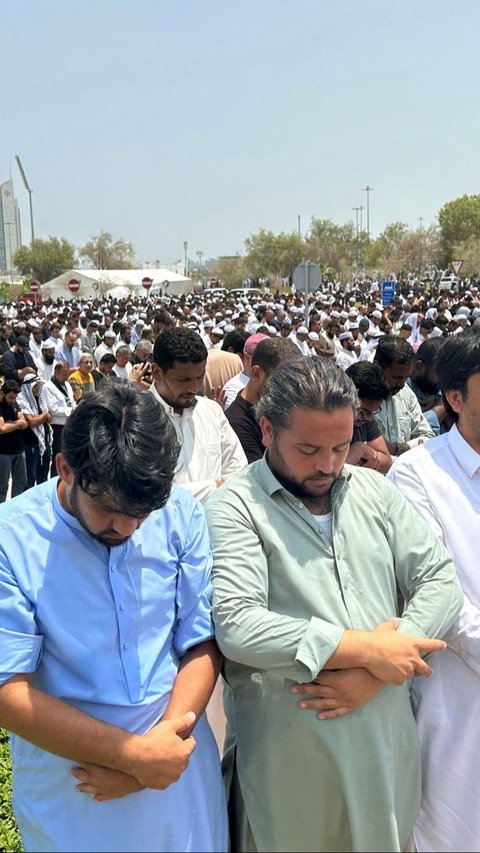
(120, 445)
(427, 323)
(234, 341)
(307, 383)
(10, 385)
(178, 344)
(108, 358)
(368, 380)
(163, 317)
(392, 348)
(428, 350)
(458, 360)
(273, 352)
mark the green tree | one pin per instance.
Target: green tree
(272, 255)
(106, 253)
(402, 250)
(459, 222)
(45, 259)
(469, 252)
(230, 271)
(331, 245)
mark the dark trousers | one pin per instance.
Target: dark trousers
(57, 430)
(12, 465)
(37, 471)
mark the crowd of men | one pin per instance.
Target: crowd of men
(314, 453)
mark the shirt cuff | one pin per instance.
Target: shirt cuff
(18, 653)
(318, 645)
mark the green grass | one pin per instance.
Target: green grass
(10, 841)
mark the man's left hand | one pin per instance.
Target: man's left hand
(336, 693)
(104, 784)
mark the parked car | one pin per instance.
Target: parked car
(246, 293)
(448, 282)
(216, 292)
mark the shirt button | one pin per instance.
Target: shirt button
(123, 606)
(112, 568)
(126, 645)
(300, 506)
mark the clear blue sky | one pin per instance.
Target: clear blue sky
(205, 120)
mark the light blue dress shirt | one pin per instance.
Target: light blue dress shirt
(104, 630)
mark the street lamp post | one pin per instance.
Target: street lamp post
(356, 209)
(185, 266)
(200, 256)
(29, 191)
(368, 190)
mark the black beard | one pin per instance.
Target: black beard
(291, 486)
(426, 386)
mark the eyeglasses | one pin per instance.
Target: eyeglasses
(367, 413)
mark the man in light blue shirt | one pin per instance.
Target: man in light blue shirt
(68, 351)
(106, 650)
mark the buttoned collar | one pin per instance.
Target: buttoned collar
(466, 456)
(271, 485)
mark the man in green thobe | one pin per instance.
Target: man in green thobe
(309, 555)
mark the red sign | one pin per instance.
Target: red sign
(74, 285)
(34, 286)
(147, 282)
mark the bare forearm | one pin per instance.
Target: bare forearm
(155, 760)
(384, 462)
(195, 680)
(59, 728)
(388, 654)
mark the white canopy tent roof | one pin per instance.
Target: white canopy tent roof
(116, 283)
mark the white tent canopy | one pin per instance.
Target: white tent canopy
(116, 283)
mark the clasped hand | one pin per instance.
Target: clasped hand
(394, 658)
(155, 760)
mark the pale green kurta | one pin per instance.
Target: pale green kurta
(282, 599)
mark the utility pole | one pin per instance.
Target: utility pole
(368, 190)
(357, 210)
(185, 267)
(200, 256)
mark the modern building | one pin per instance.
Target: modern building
(10, 231)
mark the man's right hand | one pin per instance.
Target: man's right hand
(159, 758)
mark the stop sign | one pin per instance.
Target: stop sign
(74, 285)
(147, 282)
(34, 286)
